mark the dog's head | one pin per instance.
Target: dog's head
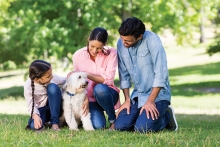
(76, 83)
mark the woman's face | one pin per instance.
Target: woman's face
(95, 47)
(46, 78)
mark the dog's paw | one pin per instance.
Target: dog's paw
(90, 129)
(74, 129)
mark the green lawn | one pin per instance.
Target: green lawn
(195, 84)
(195, 130)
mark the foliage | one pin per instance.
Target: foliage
(183, 17)
(215, 47)
(41, 29)
(44, 28)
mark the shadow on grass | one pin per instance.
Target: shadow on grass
(10, 75)
(191, 89)
(14, 92)
(196, 89)
(206, 69)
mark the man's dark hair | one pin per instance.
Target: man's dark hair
(132, 27)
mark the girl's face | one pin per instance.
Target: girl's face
(95, 47)
(45, 79)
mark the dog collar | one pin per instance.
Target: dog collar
(70, 94)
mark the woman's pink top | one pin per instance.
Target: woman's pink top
(104, 65)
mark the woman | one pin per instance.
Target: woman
(99, 62)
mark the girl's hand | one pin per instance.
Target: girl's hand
(85, 106)
(37, 121)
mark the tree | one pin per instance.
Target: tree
(215, 47)
(45, 29)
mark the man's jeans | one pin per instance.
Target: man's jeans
(140, 123)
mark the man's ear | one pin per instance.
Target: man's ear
(139, 38)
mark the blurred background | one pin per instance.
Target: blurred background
(54, 30)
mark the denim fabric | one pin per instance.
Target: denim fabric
(53, 109)
(145, 65)
(140, 123)
(106, 98)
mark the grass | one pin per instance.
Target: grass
(195, 130)
(195, 84)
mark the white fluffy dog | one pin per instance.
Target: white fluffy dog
(74, 94)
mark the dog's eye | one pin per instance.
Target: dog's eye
(79, 77)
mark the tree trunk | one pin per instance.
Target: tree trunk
(126, 12)
(201, 26)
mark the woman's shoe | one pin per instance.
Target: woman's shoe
(111, 128)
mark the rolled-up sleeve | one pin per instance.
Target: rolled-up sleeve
(159, 60)
(124, 76)
(109, 73)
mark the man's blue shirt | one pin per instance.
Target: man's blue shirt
(145, 65)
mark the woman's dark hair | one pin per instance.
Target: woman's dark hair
(36, 70)
(132, 27)
(100, 34)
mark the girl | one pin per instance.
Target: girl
(43, 96)
(99, 62)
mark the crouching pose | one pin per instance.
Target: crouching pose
(142, 59)
(43, 96)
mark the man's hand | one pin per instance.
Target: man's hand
(150, 109)
(125, 105)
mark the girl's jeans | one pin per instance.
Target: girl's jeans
(53, 109)
(106, 98)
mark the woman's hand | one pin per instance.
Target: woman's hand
(37, 121)
(85, 106)
(68, 75)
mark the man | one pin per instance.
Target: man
(142, 60)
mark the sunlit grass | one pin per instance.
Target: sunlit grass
(195, 130)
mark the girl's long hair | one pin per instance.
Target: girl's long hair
(36, 70)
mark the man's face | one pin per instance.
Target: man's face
(129, 41)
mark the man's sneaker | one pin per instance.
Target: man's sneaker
(172, 126)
